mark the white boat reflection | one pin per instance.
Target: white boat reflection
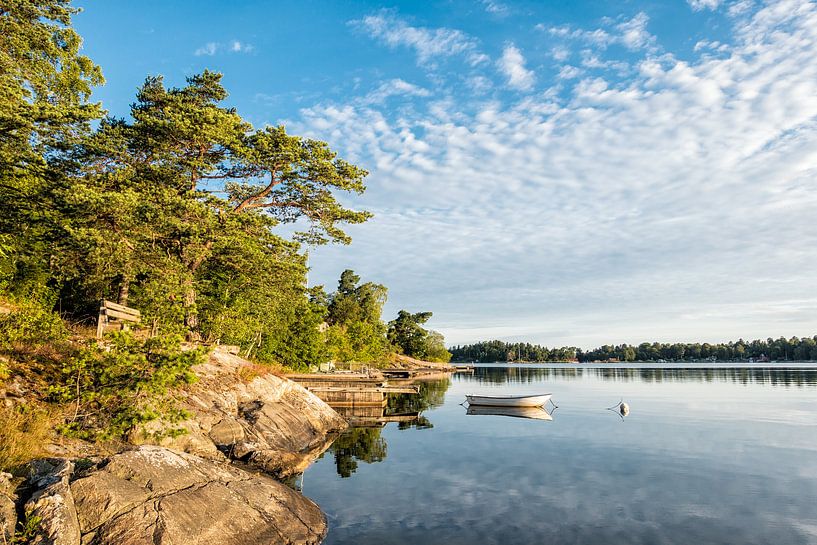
(535, 413)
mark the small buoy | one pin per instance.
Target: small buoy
(623, 408)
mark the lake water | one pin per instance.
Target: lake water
(706, 456)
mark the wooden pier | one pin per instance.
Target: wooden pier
(397, 373)
(351, 397)
(346, 390)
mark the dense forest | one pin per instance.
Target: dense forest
(180, 210)
(781, 349)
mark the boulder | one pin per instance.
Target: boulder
(236, 413)
(52, 504)
(155, 496)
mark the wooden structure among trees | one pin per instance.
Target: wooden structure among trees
(113, 313)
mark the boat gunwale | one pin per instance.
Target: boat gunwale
(507, 396)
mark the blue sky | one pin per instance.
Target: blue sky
(569, 173)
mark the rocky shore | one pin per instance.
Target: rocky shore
(183, 489)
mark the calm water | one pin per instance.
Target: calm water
(706, 456)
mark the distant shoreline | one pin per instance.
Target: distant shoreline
(696, 364)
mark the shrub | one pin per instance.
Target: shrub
(28, 530)
(124, 384)
(29, 326)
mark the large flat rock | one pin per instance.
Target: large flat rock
(155, 496)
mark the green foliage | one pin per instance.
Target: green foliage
(30, 325)
(356, 331)
(409, 337)
(28, 530)
(769, 350)
(494, 351)
(44, 88)
(6, 262)
(44, 82)
(124, 384)
(175, 213)
(435, 349)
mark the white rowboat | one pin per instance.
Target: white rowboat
(509, 401)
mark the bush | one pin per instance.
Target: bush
(31, 325)
(124, 384)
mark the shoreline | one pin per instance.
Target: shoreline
(243, 437)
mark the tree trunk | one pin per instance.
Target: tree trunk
(124, 289)
(191, 317)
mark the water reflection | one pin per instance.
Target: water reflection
(533, 413)
(363, 442)
(706, 456)
(358, 445)
(744, 375)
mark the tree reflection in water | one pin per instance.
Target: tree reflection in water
(358, 444)
(366, 444)
(781, 376)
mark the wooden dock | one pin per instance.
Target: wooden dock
(415, 373)
(347, 390)
(351, 396)
(345, 380)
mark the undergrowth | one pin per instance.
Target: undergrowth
(124, 384)
(23, 432)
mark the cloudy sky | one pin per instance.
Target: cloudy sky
(569, 173)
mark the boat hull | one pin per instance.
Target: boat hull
(509, 401)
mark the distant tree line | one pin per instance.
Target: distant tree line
(781, 349)
(490, 351)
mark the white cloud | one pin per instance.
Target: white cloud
(239, 47)
(713, 45)
(622, 206)
(209, 48)
(234, 46)
(429, 44)
(630, 33)
(569, 72)
(394, 87)
(512, 64)
(698, 5)
(634, 33)
(560, 53)
(495, 8)
(591, 60)
(740, 7)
